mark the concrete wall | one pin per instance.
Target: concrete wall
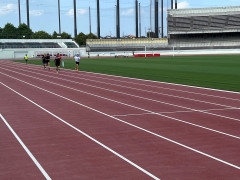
(32, 53)
(170, 52)
(11, 54)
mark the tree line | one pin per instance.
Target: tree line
(24, 32)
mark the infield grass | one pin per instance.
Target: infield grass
(218, 72)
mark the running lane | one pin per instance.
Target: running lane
(213, 118)
(148, 151)
(63, 152)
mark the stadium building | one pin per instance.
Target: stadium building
(207, 28)
(187, 29)
(35, 48)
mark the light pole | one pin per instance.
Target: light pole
(28, 22)
(140, 23)
(162, 18)
(90, 28)
(156, 19)
(136, 7)
(59, 17)
(19, 12)
(98, 20)
(75, 18)
(118, 20)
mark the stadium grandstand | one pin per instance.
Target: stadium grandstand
(187, 29)
(17, 48)
(138, 44)
(204, 28)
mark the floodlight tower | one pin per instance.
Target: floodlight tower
(90, 22)
(27, 4)
(140, 23)
(59, 17)
(75, 18)
(156, 19)
(162, 19)
(136, 18)
(98, 20)
(150, 15)
(19, 12)
(118, 20)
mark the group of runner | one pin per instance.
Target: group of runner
(57, 61)
(46, 61)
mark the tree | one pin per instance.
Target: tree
(91, 36)
(41, 35)
(9, 31)
(150, 34)
(81, 39)
(55, 35)
(1, 33)
(65, 35)
(23, 31)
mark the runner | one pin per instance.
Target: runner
(57, 62)
(44, 61)
(77, 59)
(26, 58)
(48, 61)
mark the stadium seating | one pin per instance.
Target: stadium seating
(204, 28)
(35, 48)
(31, 43)
(95, 45)
(71, 45)
(204, 20)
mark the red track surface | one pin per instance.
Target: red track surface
(134, 129)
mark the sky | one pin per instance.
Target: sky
(44, 14)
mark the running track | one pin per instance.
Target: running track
(80, 125)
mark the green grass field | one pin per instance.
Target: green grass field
(219, 72)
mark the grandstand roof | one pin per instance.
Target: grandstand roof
(35, 40)
(37, 43)
(204, 11)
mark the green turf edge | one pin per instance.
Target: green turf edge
(217, 72)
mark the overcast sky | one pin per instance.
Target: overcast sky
(44, 14)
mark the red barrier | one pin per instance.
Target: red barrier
(147, 55)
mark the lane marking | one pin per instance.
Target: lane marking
(175, 112)
(143, 97)
(169, 117)
(157, 82)
(83, 133)
(211, 89)
(145, 91)
(26, 149)
(155, 113)
(135, 126)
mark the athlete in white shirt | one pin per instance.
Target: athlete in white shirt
(77, 59)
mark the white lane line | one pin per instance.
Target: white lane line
(206, 102)
(169, 117)
(107, 115)
(140, 96)
(162, 102)
(157, 82)
(83, 133)
(175, 112)
(25, 148)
